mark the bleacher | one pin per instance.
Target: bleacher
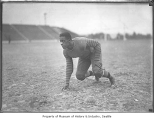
(51, 31)
(9, 33)
(31, 32)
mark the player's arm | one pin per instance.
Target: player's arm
(97, 48)
(69, 69)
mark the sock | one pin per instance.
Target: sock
(106, 74)
(91, 73)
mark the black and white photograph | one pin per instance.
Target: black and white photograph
(77, 57)
(84, 0)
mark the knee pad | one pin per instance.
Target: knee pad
(80, 77)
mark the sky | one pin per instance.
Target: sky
(83, 18)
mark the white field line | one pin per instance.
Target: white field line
(57, 30)
(45, 32)
(18, 32)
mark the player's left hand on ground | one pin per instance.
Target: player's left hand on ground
(66, 87)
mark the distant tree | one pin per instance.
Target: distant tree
(127, 36)
(138, 36)
(119, 36)
(109, 37)
(134, 36)
(148, 36)
(98, 36)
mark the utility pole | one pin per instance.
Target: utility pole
(124, 27)
(45, 18)
(105, 36)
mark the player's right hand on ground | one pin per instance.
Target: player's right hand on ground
(66, 87)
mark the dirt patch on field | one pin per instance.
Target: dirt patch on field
(34, 74)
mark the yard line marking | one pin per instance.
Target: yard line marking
(45, 32)
(19, 32)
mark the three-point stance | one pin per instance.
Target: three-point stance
(89, 53)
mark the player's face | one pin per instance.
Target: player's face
(65, 43)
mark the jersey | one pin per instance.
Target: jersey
(81, 49)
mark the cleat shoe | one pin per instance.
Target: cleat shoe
(112, 81)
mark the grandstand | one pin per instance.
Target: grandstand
(18, 32)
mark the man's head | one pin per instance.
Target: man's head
(65, 39)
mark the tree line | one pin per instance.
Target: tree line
(119, 36)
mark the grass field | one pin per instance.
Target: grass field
(33, 75)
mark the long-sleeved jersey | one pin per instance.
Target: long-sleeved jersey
(81, 49)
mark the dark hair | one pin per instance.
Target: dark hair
(66, 35)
